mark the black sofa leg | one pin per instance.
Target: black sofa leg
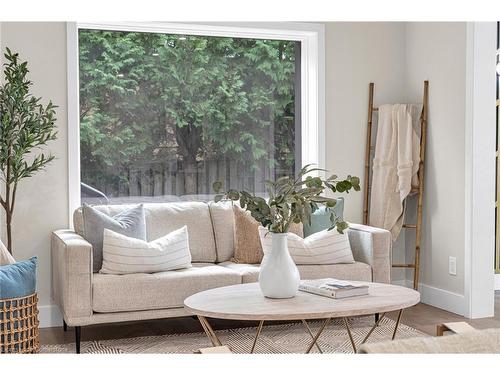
(65, 326)
(377, 317)
(78, 331)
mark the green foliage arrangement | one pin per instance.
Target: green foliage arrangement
(150, 97)
(292, 200)
(26, 126)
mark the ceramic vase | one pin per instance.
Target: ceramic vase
(279, 276)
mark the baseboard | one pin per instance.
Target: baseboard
(443, 299)
(440, 298)
(49, 316)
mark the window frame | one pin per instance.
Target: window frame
(312, 111)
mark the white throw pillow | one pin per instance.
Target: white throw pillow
(325, 247)
(124, 255)
(5, 257)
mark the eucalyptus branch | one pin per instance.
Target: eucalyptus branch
(292, 200)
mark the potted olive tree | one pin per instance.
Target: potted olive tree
(291, 200)
(26, 125)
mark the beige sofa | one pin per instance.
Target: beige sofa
(86, 298)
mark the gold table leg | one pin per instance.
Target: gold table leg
(259, 330)
(209, 331)
(216, 342)
(318, 334)
(397, 324)
(311, 334)
(346, 323)
(373, 328)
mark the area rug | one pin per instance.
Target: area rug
(274, 339)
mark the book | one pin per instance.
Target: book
(333, 288)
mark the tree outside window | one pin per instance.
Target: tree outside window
(167, 115)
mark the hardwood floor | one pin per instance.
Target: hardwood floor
(422, 317)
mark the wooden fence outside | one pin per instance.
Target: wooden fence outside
(167, 178)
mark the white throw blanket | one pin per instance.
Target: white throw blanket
(395, 165)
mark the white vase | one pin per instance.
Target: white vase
(279, 276)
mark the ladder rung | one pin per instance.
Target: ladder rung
(414, 226)
(404, 265)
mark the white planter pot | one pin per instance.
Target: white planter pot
(279, 276)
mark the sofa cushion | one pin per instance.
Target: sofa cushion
(247, 244)
(130, 222)
(5, 257)
(223, 223)
(18, 279)
(163, 218)
(169, 289)
(124, 255)
(325, 247)
(320, 219)
(249, 272)
(354, 271)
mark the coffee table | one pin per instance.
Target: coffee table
(246, 302)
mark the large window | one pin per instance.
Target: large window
(163, 116)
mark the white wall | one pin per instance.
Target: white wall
(42, 201)
(358, 53)
(437, 52)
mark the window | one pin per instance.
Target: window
(163, 116)
(159, 111)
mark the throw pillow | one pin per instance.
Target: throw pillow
(320, 219)
(18, 279)
(130, 222)
(124, 255)
(325, 247)
(5, 257)
(247, 245)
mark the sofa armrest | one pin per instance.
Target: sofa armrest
(372, 246)
(72, 274)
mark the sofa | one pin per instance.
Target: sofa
(87, 298)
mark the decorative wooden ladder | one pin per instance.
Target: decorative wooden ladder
(421, 171)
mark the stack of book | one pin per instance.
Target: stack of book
(333, 288)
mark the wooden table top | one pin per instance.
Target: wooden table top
(246, 302)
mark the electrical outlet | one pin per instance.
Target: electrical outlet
(452, 266)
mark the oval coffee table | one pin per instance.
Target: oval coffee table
(246, 302)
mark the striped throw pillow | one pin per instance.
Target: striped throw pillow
(324, 247)
(125, 255)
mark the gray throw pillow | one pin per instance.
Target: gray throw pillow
(130, 222)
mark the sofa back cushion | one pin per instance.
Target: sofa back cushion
(163, 218)
(223, 222)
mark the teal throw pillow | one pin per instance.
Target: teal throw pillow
(320, 219)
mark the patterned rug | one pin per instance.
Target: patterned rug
(278, 338)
